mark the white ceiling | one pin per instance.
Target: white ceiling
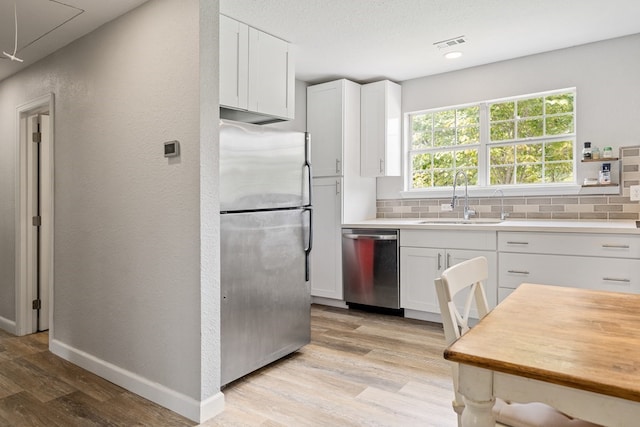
(364, 40)
(45, 26)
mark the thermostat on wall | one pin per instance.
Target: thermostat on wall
(171, 149)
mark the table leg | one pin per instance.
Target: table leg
(478, 414)
(476, 386)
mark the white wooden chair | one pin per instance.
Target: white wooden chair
(469, 275)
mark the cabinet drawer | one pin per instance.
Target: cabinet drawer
(605, 274)
(599, 245)
(479, 240)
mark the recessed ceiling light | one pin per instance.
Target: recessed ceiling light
(453, 55)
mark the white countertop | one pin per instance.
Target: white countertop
(558, 226)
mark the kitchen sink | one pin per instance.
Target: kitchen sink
(461, 221)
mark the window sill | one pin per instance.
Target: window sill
(513, 191)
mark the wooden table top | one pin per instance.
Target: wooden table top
(589, 340)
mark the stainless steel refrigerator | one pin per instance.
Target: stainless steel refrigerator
(265, 221)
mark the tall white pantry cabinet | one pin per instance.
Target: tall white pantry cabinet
(340, 194)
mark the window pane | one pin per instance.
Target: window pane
(529, 153)
(561, 150)
(443, 160)
(530, 107)
(468, 135)
(559, 125)
(562, 103)
(502, 155)
(530, 128)
(467, 159)
(472, 176)
(421, 162)
(502, 111)
(421, 180)
(444, 119)
(444, 137)
(502, 131)
(468, 116)
(443, 177)
(529, 174)
(559, 172)
(501, 175)
(421, 126)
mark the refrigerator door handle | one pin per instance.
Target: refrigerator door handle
(307, 250)
(307, 165)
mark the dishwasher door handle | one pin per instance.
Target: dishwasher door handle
(370, 236)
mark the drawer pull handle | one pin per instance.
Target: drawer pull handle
(518, 272)
(606, 245)
(613, 279)
(517, 243)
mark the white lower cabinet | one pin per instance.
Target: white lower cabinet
(590, 261)
(422, 261)
(326, 256)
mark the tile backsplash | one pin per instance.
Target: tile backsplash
(534, 207)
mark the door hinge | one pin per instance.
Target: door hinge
(36, 304)
(37, 221)
(36, 137)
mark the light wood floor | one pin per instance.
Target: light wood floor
(361, 369)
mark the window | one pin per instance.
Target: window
(527, 140)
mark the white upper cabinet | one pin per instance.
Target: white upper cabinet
(271, 75)
(234, 63)
(381, 129)
(256, 71)
(326, 111)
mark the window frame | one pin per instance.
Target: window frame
(483, 186)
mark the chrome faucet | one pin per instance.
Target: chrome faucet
(467, 211)
(503, 214)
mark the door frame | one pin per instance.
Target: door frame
(25, 294)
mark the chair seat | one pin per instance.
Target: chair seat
(534, 415)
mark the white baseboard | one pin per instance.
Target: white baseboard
(330, 302)
(198, 411)
(8, 325)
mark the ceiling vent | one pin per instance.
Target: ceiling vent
(450, 42)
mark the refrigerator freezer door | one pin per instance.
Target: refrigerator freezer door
(265, 306)
(262, 168)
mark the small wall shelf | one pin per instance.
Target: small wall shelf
(600, 160)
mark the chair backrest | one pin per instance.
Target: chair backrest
(467, 275)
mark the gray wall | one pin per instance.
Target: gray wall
(132, 228)
(606, 75)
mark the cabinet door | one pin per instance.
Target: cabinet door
(418, 269)
(234, 63)
(381, 129)
(271, 75)
(326, 254)
(325, 124)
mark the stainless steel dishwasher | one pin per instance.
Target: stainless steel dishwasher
(370, 267)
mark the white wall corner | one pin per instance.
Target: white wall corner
(180, 403)
(211, 407)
